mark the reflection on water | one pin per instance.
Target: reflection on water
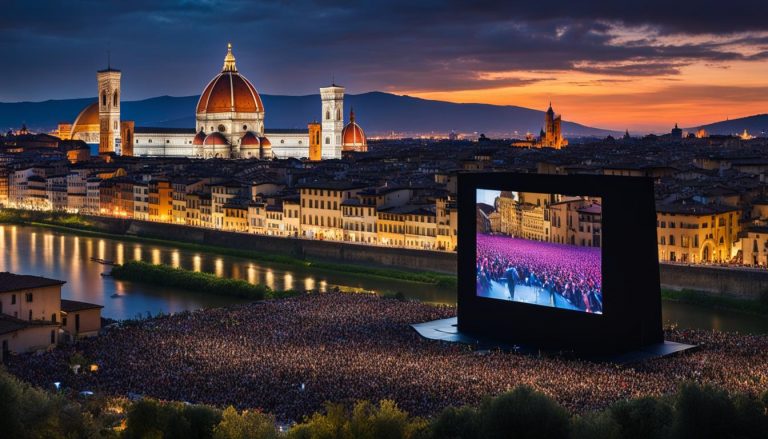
(43, 252)
(65, 256)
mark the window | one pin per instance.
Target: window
(327, 115)
(114, 99)
(104, 99)
(327, 140)
(29, 297)
(13, 299)
(30, 314)
(222, 128)
(338, 114)
(245, 127)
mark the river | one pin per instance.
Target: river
(67, 256)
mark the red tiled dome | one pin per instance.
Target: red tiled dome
(265, 142)
(250, 139)
(199, 138)
(215, 139)
(353, 137)
(229, 91)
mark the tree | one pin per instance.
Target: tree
(456, 423)
(524, 413)
(245, 425)
(703, 412)
(643, 418)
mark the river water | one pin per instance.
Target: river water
(67, 256)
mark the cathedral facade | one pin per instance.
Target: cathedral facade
(229, 123)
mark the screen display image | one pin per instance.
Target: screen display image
(542, 249)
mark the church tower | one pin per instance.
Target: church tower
(109, 111)
(333, 120)
(315, 142)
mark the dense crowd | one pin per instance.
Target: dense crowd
(571, 272)
(288, 356)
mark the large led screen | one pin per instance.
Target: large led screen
(540, 249)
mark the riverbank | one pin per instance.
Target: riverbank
(753, 307)
(105, 227)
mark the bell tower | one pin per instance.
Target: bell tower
(333, 120)
(109, 110)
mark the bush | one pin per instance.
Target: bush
(526, 413)
(196, 281)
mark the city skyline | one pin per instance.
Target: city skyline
(627, 66)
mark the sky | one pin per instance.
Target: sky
(641, 65)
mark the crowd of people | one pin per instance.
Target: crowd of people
(288, 356)
(571, 272)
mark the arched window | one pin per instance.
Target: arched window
(104, 99)
(327, 140)
(317, 137)
(114, 99)
(114, 125)
(338, 114)
(327, 114)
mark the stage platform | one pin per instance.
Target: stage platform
(446, 330)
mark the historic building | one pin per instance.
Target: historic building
(229, 123)
(693, 233)
(551, 136)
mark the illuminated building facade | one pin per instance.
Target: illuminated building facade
(229, 123)
(694, 233)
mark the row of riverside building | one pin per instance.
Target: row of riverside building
(419, 217)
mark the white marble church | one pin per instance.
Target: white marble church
(229, 124)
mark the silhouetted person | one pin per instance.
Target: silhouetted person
(512, 279)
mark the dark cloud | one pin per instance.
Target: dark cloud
(51, 48)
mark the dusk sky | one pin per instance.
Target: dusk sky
(642, 65)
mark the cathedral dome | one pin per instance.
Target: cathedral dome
(250, 139)
(87, 118)
(353, 137)
(229, 91)
(199, 138)
(215, 139)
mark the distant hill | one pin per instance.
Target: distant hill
(377, 113)
(756, 125)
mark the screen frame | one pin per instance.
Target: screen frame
(630, 278)
(602, 266)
